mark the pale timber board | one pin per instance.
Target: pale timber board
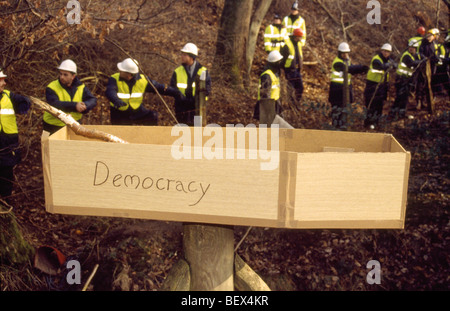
(350, 187)
(237, 188)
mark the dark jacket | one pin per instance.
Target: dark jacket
(428, 49)
(9, 143)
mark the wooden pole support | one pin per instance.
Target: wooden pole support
(209, 251)
(266, 111)
(179, 277)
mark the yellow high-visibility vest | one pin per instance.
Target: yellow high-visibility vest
(291, 56)
(338, 76)
(182, 79)
(273, 38)
(65, 97)
(7, 115)
(404, 70)
(134, 97)
(275, 90)
(376, 75)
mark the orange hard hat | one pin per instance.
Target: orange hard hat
(297, 32)
(421, 30)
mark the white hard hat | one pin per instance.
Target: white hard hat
(386, 47)
(128, 65)
(274, 56)
(68, 65)
(190, 48)
(413, 43)
(2, 75)
(434, 31)
(344, 47)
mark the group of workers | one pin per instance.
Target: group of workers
(125, 90)
(285, 38)
(412, 77)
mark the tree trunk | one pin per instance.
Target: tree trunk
(255, 25)
(232, 38)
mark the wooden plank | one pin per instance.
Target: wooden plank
(135, 178)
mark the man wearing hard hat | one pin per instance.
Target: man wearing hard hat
(377, 85)
(427, 50)
(408, 63)
(126, 90)
(68, 94)
(10, 105)
(184, 78)
(269, 84)
(336, 92)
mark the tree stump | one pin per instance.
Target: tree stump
(209, 251)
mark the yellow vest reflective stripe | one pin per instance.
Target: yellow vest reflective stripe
(7, 115)
(404, 70)
(376, 75)
(64, 97)
(133, 97)
(273, 35)
(338, 76)
(275, 90)
(291, 56)
(182, 79)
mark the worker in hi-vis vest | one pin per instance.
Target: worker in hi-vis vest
(10, 105)
(339, 111)
(377, 85)
(269, 88)
(126, 90)
(184, 78)
(408, 63)
(68, 94)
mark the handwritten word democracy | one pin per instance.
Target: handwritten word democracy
(102, 177)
